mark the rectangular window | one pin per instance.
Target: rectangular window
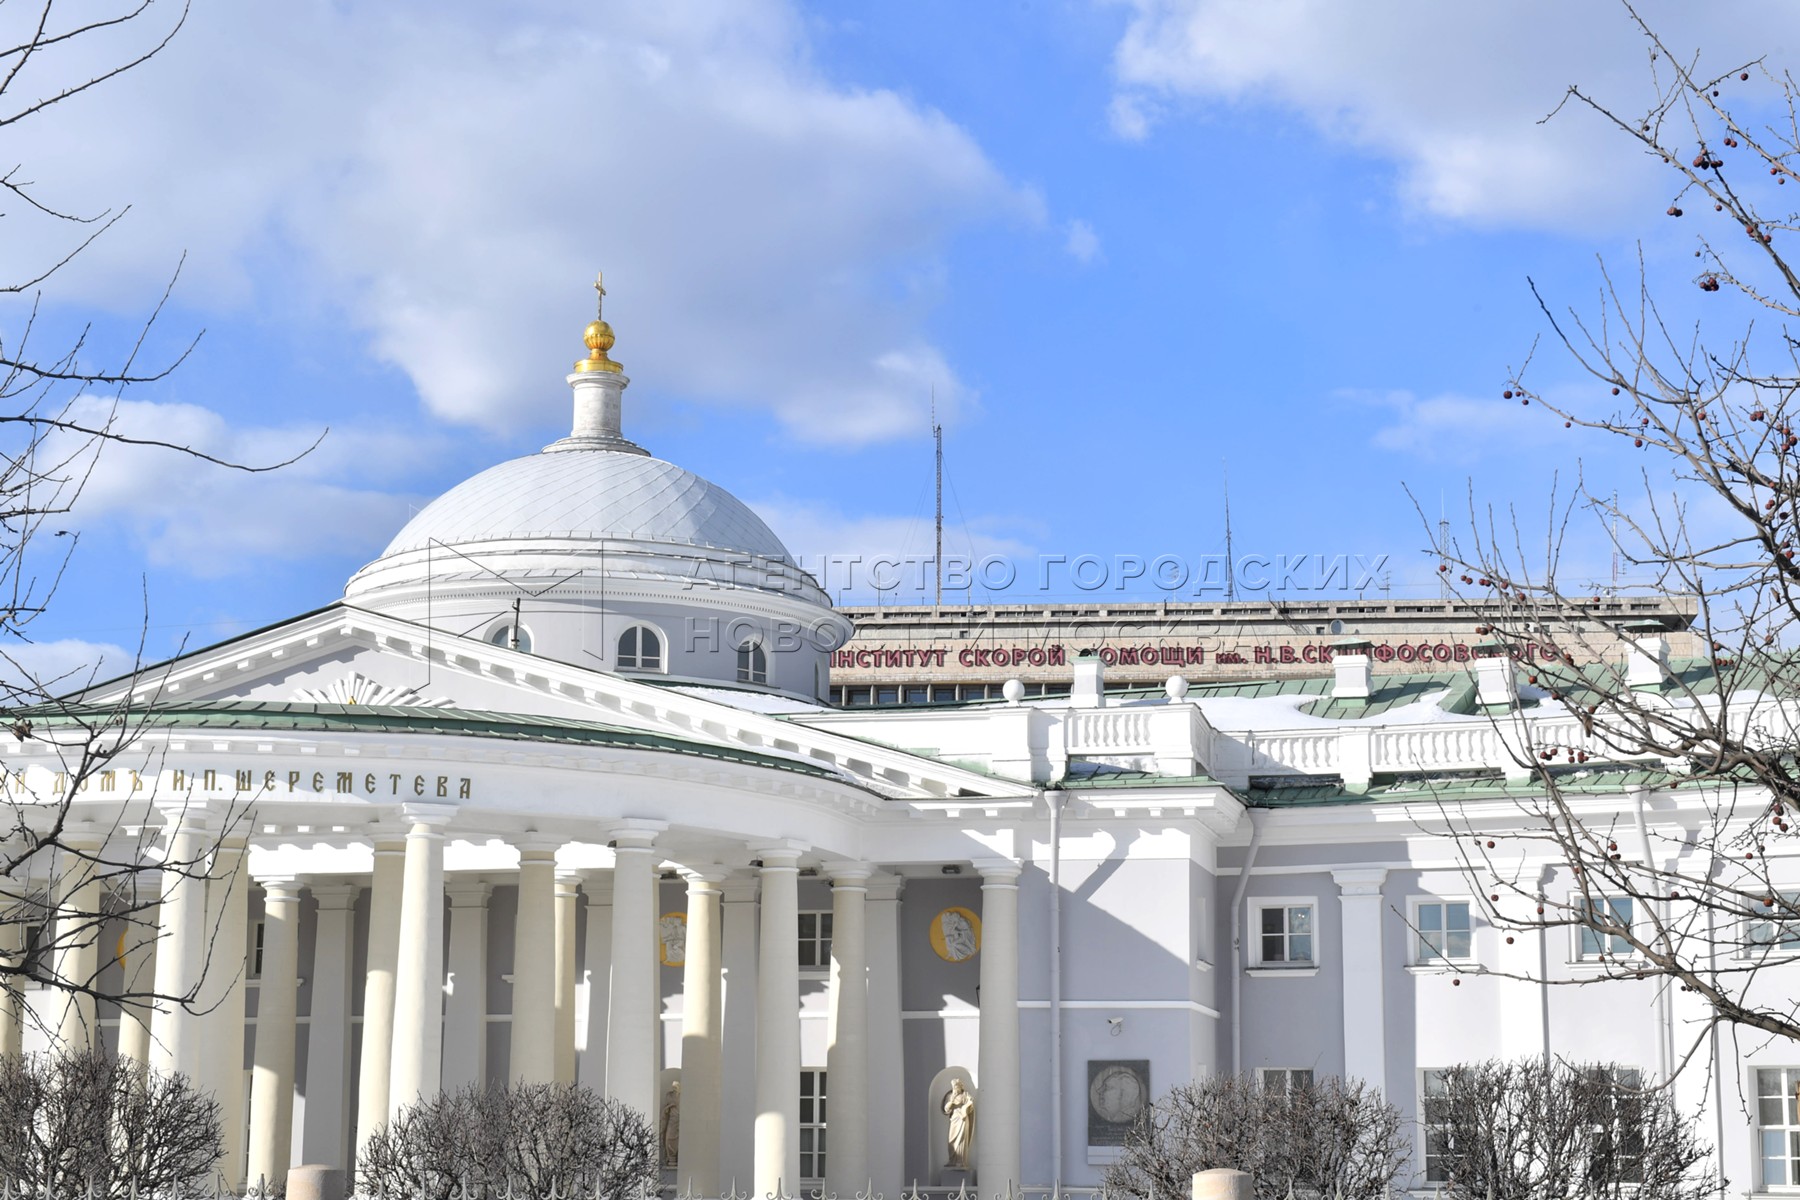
(1284, 1079)
(815, 940)
(1780, 929)
(918, 693)
(256, 951)
(1619, 1139)
(812, 1125)
(1434, 1122)
(887, 695)
(1778, 1125)
(1593, 943)
(37, 951)
(1286, 933)
(1443, 931)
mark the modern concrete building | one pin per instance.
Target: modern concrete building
(555, 793)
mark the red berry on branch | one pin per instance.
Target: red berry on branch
(1507, 395)
(1615, 391)
(1745, 75)
(1509, 940)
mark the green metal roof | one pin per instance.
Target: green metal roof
(1452, 786)
(251, 715)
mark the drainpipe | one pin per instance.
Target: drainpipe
(1055, 801)
(1665, 1031)
(1237, 945)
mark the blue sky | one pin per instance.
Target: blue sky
(1129, 244)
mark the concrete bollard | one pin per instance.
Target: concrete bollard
(1220, 1183)
(316, 1181)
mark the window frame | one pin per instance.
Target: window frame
(1426, 1125)
(1257, 906)
(1788, 1132)
(813, 1091)
(1601, 955)
(819, 939)
(636, 664)
(1789, 943)
(499, 634)
(749, 653)
(1287, 1077)
(1420, 956)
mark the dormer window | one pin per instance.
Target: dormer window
(640, 649)
(752, 664)
(513, 637)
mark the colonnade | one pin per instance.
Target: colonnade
(414, 994)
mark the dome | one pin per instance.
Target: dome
(589, 495)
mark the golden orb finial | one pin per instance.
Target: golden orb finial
(598, 336)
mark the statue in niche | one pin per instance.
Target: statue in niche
(671, 936)
(670, 1125)
(959, 935)
(959, 1106)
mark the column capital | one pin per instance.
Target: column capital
(279, 889)
(847, 874)
(705, 877)
(998, 872)
(468, 893)
(534, 843)
(636, 833)
(779, 854)
(1359, 881)
(388, 844)
(884, 885)
(185, 816)
(598, 885)
(568, 883)
(333, 893)
(434, 816)
(740, 889)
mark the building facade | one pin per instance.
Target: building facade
(556, 793)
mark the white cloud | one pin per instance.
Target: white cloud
(1452, 93)
(1454, 428)
(1083, 244)
(449, 175)
(33, 670)
(209, 520)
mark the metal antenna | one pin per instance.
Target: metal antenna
(1230, 568)
(937, 435)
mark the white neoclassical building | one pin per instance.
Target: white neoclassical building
(555, 793)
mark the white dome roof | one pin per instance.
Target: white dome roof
(583, 494)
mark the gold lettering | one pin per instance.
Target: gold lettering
(462, 793)
(244, 781)
(369, 784)
(394, 782)
(346, 782)
(268, 781)
(180, 780)
(136, 783)
(443, 785)
(211, 780)
(293, 780)
(109, 781)
(60, 785)
(318, 781)
(418, 785)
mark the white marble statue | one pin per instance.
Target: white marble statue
(959, 1106)
(959, 935)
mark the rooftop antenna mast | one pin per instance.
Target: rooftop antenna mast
(1615, 544)
(937, 437)
(1230, 567)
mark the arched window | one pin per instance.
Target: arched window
(753, 664)
(640, 649)
(502, 635)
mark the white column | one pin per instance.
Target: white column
(176, 1044)
(778, 1023)
(568, 909)
(465, 1012)
(887, 1060)
(76, 935)
(326, 1136)
(701, 1033)
(1365, 1043)
(419, 972)
(272, 1075)
(534, 965)
(847, 1037)
(138, 973)
(597, 967)
(376, 1062)
(631, 1024)
(737, 1144)
(228, 925)
(997, 1063)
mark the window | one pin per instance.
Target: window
(1443, 931)
(1614, 910)
(815, 940)
(1780, 929)
(1284, 1079)
(1778, 1125)
(812, 1125)
(1619, 1140)
(753, 664)
(640, 650)
(856, 696)
(1286, 934)
(1434, 1118)
(256, 951)
(502, 635)
(37, 951)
